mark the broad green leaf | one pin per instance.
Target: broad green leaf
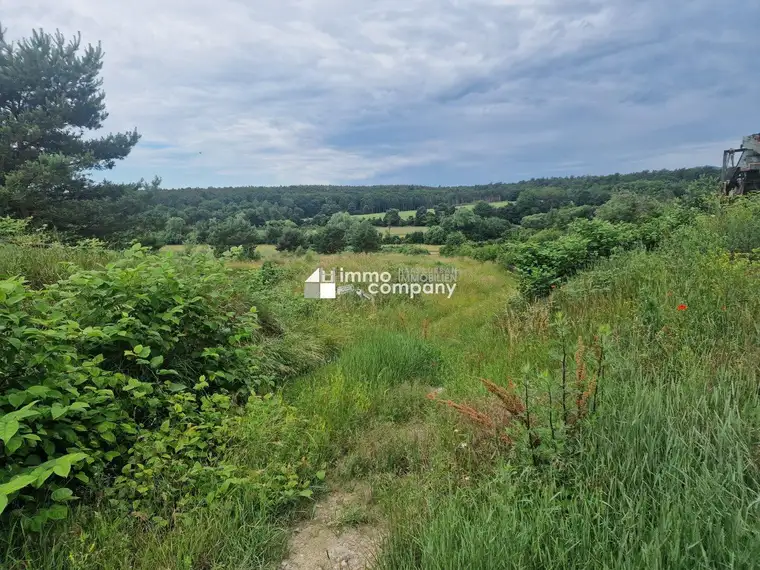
(3, 502)
(14, 443)
(16, 399)
(18, 482)
(57, 410)
(76, 457)
(132, 384)
(62, 467)
(58, 512)
(42, 476)
(8, 428)
(62, 494)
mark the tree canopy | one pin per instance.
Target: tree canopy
(51, 100)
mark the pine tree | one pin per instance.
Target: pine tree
(50, 100)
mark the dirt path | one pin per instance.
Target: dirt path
(341, 535)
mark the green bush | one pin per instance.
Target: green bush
(544, 264)
(739, 224)
(406, 249)
(123, 378)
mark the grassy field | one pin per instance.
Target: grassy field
(667, 457)
(406, 213)
(403, 230)
(494, 204)
(619, 429)
(269, 251)
(642, 483)
(403, 213)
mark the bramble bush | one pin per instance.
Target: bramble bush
(543, 265)
(124, 382)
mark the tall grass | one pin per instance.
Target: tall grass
(666, 474)
(663, 475)
(45, 265)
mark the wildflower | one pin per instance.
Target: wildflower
(554, 286)
(670, 293)
(682, 307)
(723, 308)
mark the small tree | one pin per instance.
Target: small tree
(392, 218)
(421, 216)
(415, 237)
(291, 240)
(329, 239)
(436, 235)
(234, 231)
(483, 209)
(455, 239)
(363, 237)
(174, 231)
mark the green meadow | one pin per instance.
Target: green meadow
(639, 376)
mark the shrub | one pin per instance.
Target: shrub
(291, 240)
(406, 249)
(363, 237)
(122, 376)
(329, 239)
(436, 235)
(415, 237)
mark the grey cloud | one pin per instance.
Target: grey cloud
(356, 90)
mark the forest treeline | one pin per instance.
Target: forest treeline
(120, 213)
(296, 203)
(50, 154)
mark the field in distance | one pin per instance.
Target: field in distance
(269, 251)
(406, 213)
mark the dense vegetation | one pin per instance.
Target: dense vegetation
(587, 399)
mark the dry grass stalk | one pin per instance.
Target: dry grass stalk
(507, 396)
(473, 415)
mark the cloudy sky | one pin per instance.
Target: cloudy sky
(271, 92)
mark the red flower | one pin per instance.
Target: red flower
(682, 307)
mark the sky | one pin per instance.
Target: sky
(434, 92)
